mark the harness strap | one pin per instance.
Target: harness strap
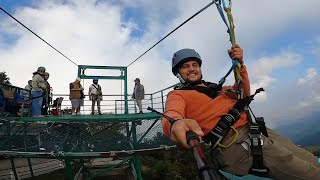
(98, 89)
(211, 90)
(224, 125)
(258, 168)
(256, 142)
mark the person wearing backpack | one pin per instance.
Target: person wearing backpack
(75, 96)
(38, 90)
(95, 95)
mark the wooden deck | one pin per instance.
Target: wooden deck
(39, 167)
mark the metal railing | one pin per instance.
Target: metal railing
(115, 104)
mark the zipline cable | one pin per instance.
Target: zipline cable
(213, 2)
(37, 35)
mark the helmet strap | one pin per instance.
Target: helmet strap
(182, 81)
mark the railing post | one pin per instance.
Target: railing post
(14, 169)
(136, 157)
(68, 168)
(126, 111)
(25, 149)
(162, 101)
(151, 97)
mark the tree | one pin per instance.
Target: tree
(167, 165)
(4, 79)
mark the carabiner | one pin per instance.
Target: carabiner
(225, 6)
(217, 1)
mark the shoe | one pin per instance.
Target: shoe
(100, 113)
(92, 113)
(140, 112)
(73, 114)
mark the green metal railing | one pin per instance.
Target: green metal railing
(71, 138)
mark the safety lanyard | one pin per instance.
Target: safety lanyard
(230, 26)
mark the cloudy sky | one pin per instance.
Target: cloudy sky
(281, 41)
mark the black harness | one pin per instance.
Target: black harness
(211, 90)
(215, 136)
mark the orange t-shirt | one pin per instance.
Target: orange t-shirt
(191, 104)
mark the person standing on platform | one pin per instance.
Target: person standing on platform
(95, 95)
(138, 94)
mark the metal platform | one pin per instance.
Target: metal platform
(87, 118)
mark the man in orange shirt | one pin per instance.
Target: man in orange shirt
(196, 111)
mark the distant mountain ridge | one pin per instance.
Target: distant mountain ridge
(304, 131)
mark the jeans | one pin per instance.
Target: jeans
(36, 103)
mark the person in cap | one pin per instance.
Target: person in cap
(95, 95)
(75, 96)
(138, 94)
(200, 112)
(38, 90)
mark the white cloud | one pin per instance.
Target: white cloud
(311, 82)
(293, 101)
(309, 78)
(261, 70)
(265, 65)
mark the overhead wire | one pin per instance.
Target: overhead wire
(37, 36)
(194, 15)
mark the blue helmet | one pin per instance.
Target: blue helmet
(182, 56)
(95, 79)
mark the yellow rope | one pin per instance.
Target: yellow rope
(233, 140)
(233, 41)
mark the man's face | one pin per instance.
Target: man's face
(190, 71)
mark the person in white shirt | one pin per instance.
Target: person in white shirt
(95, 95)
(25, 92)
